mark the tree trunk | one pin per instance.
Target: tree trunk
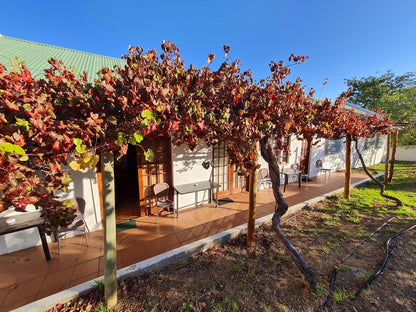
(110, 263)
(347, 183)
(281, 208)
(386, 163)
(393, 155)
(252, 207)
(381, 185)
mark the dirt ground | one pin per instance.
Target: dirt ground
(232, 277)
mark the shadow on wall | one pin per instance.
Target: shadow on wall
(185, 160)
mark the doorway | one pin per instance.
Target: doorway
(159, 170)
(126, 186)
(305, 156)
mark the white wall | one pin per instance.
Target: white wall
(83, 185)
(187, 168)
(406, 153)
(294, 158)
(336, 161)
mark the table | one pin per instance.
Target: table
(291, 172)
(26, 221)
(194, 188)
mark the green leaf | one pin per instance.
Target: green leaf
(77, 142)
(121, 138)
(80, 148)
(138, 137)
(22, 124)
(67, 180)
(148, 114)
(149, 155)
(12, 148)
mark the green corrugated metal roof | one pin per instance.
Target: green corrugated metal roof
(36, 55)
(359, 109)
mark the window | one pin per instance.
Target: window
(283, 153)
(333, 147)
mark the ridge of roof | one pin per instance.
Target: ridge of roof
(58, 47)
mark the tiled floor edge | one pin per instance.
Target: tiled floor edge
(167, 258)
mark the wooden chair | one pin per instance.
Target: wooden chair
(161, 191)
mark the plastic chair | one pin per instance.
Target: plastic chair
(161, 191)
(319, 168)
(79, 223)
(264, 178)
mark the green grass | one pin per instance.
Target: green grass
(341, 295)
(403, 186)
(367, 198)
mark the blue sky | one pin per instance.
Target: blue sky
(343, 39)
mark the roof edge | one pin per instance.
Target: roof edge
(58, 47)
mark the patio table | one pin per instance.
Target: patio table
(291, 172)
(195, 188)
(26, 221)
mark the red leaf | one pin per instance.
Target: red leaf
(56, 146)
(175, 126)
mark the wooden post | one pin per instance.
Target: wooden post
(251, 223)
(252, 207)
(386, 164)
(393, 154)
(110, 254)
(347, 183)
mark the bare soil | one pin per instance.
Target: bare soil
(233, 277)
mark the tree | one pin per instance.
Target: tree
(394, 94)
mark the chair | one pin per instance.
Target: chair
(319, 168)
(78, 224)
(264, 178)
(161, 191)
(303, 175)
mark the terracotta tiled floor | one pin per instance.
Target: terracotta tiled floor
(26, 276)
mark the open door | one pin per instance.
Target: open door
(126, 186)
(157, 171)
(305, 156)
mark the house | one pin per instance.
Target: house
(135, 177)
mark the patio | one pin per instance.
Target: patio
(26, 276)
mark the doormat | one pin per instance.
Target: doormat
(224, 201)
(120, 227)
